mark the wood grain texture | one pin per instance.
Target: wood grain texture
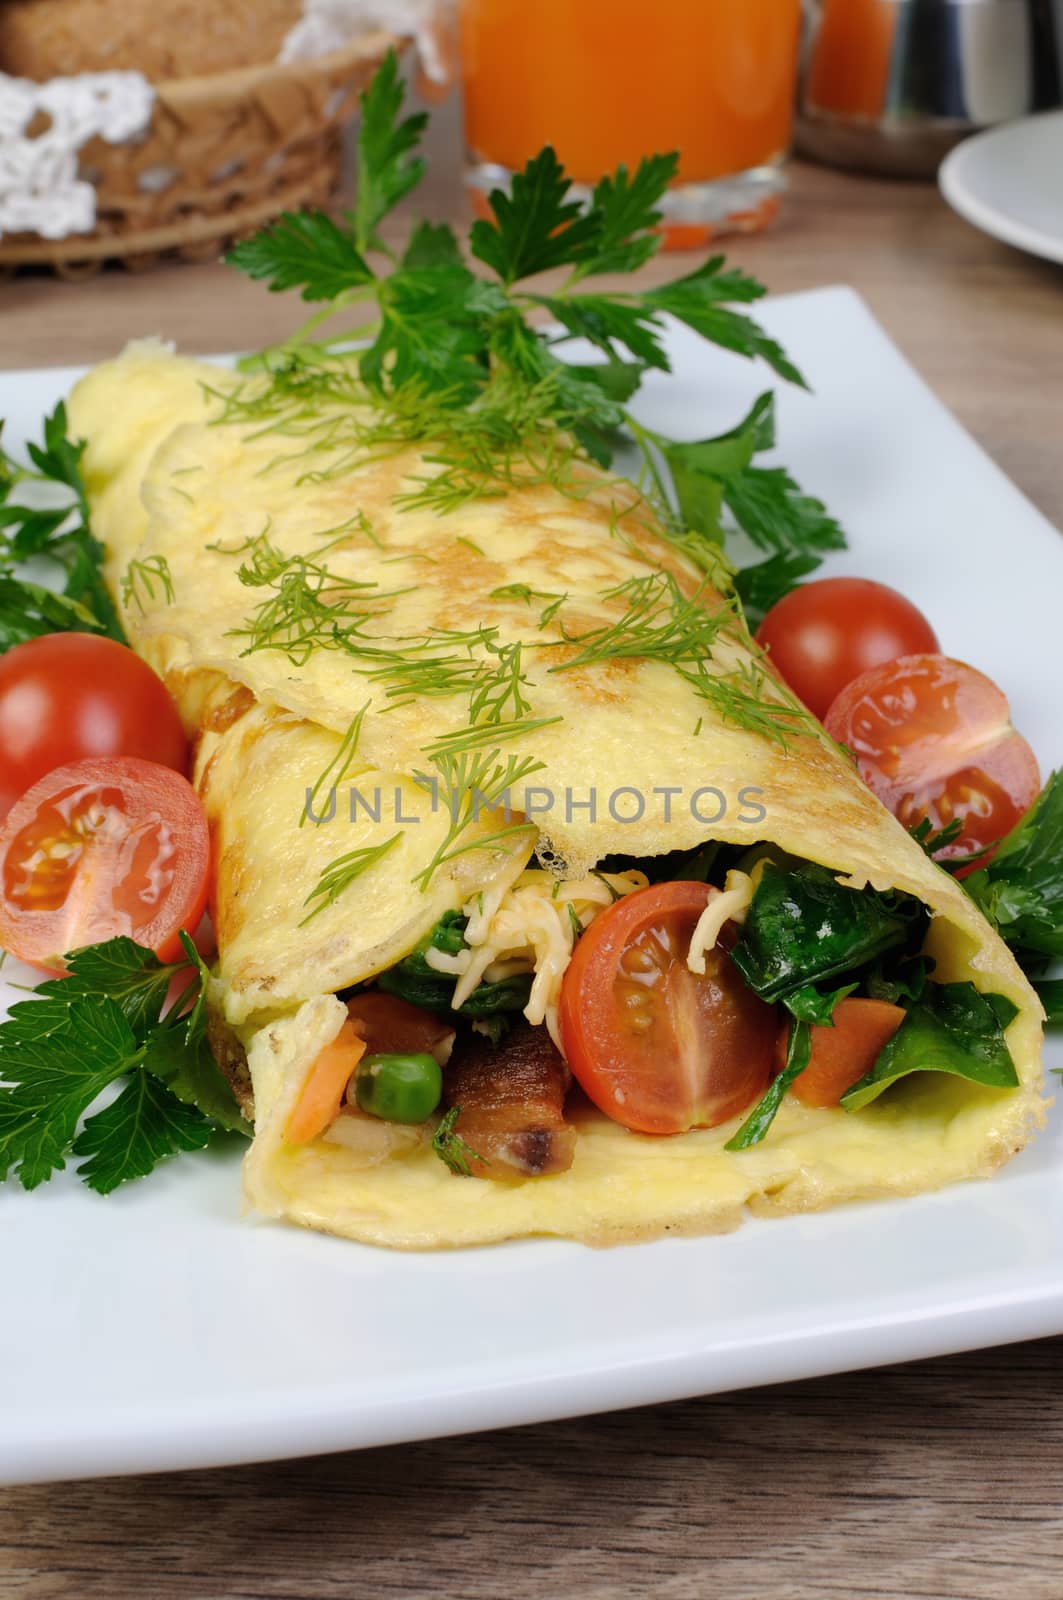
(983, 323)
(937, 1481)
(942, 1480)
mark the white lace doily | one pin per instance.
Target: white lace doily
(40, 190)
(328, 25)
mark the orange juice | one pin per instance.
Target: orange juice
(606, 81)
(850, 68)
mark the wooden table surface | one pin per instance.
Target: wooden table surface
(943, 1478)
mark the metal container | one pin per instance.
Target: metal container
(891, 85)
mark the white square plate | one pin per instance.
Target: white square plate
(159, 1329)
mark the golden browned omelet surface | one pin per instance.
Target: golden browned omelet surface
(170, 484)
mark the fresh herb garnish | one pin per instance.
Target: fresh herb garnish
(145, 578)
(308, 607)
(338, 767)
(103, 1022)
(338, 876)
(474, 781)
(59, 534)
(1050, 994)
(461, 360)
(1020, 891)
(761, 586)
(663, 624)
(451, 1148)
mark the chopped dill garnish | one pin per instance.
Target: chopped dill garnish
(311, 607)
(523, 591)
(144, 578)
(485, 735)
(340, 764)
(470, 544)
(338, 876)
(742, 697)
(457, 366)
(661, 624)
(614, 892)
(501, 690)
(451, 1148)
(473, 781)
(548, 613)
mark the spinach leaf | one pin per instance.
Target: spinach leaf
(805, 927)
(952, 1029)
(900, 981)
(414, 980)
(811, 1005)
(760, 1119)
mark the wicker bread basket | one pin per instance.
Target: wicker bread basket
(223, 154)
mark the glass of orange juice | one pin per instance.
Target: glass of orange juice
(610, 81)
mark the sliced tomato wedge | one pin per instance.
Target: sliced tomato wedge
(98, 849)
(933, 738)
(655, 1046)
(842, 1054)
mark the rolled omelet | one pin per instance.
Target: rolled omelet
(351, 654)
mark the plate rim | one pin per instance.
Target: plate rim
(285, 1424)
(954, 187)
(244, 1435)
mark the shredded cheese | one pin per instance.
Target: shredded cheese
(443, 961)
(731, 904)
(529, 925)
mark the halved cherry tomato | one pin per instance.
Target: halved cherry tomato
(102, 848)
(842, 1054)
(655, 1046)
(824, 634)
(69, 696)
(933, 738)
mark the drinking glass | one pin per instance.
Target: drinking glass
(609, 81)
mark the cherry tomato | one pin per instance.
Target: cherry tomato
(655, 1046)
(822, 635)
(933, 738)
(101, 848)
(842, 1054)
(68, 696)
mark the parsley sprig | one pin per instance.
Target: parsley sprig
(105, 1022)
(462, 357)
(58, 535)
(1020, 891)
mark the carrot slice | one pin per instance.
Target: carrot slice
(842, 1054)
(319, 1104)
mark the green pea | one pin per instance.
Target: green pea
(399, 1088)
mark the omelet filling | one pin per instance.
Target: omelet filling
(572, 633)
(831, 983)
